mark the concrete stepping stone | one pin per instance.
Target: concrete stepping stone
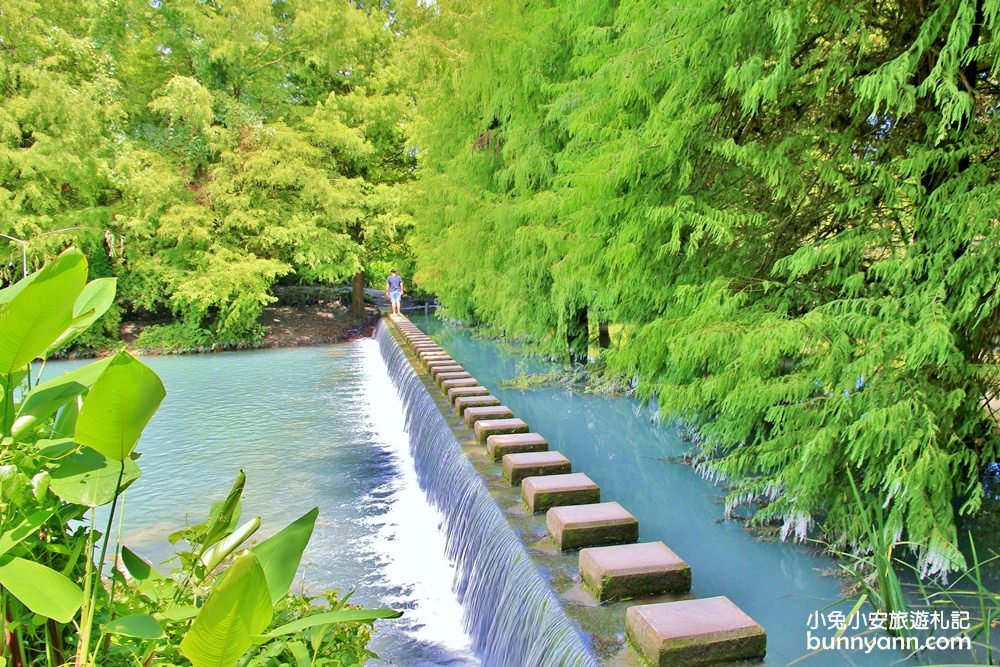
(434, 363)
(465, 403)
(472, 415)
(453, 375)
(487, 427)
(542, 493)
(468, 390)
(694, 632)
(448, 385)
(633, 570)
(596, 525)
(447, 368)
(433, 355)
(514, 443)
(516, 467)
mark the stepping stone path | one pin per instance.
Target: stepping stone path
(595, 525)
(694, 632)
(455, 375)
(470, 381)
(543, 493)
(534, 464)
(448, 368)
(633, 570)
(612, 564)
(514, 443)
(472, 415)
(487, 427)
(463, 403)
(471, 390)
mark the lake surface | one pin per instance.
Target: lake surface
(311, 427)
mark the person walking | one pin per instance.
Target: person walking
(394, 290)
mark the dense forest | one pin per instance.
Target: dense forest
(201, 151)
(784, 212)
(778, 218)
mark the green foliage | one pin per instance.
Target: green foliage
(789, 208)
(67, 447)
(175, 337)
(200, 153)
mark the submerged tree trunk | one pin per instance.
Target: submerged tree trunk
(358, 296)
(603, 335)
(578, 336)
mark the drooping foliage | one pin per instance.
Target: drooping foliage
(789, 208)
(200, 151)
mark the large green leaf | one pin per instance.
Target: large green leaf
(119, 405)
(26, 527)
(45, 399)
(33, 315)
(237, 610)
(87, 477)
(280, 554)
(95, 299)
(138, 567)
(41, 589)
(138, 626)
(224, 515)
(331, 617)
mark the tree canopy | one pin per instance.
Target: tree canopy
(790, 209)
(202, 150)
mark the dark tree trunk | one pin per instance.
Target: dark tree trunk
(603, 335)
(358, 296)
(578, 336)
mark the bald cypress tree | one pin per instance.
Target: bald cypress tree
(791, 209)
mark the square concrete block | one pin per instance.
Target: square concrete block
(447, 368)
(634, 570)
(533, 464)
(463, 403)
(487, 427)
(514, 443)
(453, 375)
(578, 526)
(440, 363)
(467, 390)
(448, 385)
(428, 357)
(472, 415)
(542, 493)
(694, 632)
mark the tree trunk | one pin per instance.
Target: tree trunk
(603, 335)
(578, 336)
(358, 296)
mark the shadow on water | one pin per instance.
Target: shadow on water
(636, 462)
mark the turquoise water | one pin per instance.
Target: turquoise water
(318, 426)
(621, 447)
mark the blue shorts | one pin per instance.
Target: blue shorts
(394, 296)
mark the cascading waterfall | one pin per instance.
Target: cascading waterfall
(510, 612)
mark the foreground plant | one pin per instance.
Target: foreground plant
(68, 448)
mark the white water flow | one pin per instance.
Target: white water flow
(407, 539)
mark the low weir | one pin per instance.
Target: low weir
(511, 613)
